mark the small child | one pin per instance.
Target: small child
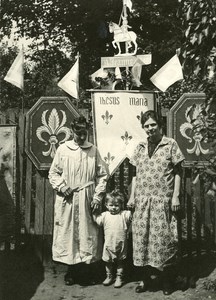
(115, 223)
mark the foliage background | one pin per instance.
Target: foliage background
(58, 29)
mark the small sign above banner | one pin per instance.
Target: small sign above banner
(117, 127)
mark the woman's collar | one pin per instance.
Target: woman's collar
(165, 140)
(73, 146)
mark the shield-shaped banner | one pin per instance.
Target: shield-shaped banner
(47, 126)
(117, 127)
(185, 126)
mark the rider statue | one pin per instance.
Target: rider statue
(123, 34)
(125, 25)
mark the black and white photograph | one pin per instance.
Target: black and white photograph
(107, 149)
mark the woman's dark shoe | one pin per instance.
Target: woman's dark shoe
(167, 291)
(168, 281)
(86, 282)
(68, 279)
(167, 288)
(142, 287)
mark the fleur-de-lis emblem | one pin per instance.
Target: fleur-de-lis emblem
(106, 117)
(53, 128)
(126, 138)
(109, 158)
(191, 130)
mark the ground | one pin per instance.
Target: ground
(23, 277)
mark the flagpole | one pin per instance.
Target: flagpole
(125, 22)
(23, 102)
(15, 76)
(126, 45)
(77, 100)
(22, 149)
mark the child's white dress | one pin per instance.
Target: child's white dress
(115, 233)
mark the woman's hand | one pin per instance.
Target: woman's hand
(175, 203)
(68, 191)
(131, 203)
(95, 205)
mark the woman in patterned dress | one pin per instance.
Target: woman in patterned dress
(155, 198)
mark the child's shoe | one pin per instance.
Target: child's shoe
(118, 282)
(108, 280)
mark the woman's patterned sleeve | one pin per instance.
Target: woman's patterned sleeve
(134, 157)
(177, 155)
(128, 216)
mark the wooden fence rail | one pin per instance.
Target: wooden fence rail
(35, 201)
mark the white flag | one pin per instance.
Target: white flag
(145, 59)
(102, 73)
(136, 71)
(118, 73)
(168, 74)
(70, 82)
(15, 74)
(128, 3)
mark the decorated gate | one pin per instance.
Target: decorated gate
(116, 119)
(34, 200)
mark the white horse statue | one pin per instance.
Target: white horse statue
(121, 36)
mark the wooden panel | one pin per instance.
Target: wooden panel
(117, 179)
(188, 210)
(208, 222)
(214, 211)
(2, 117)
(47, 250)
(38, 243)
(197, 198)
(11, 116)
(28, 195)
(48, 222)
(207, 211)
(49, 208)
(194, 195)
(21, 159)
(125, 176)
(39, 204)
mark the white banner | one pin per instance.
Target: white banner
(117, 124)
